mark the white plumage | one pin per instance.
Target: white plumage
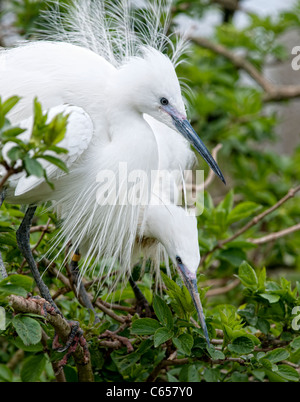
(125, 104)
(87, 80)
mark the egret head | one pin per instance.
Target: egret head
(152, 87)
(178, 233)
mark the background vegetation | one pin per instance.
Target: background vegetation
(248, 234)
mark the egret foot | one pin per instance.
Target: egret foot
(76, 338)
(141, 301)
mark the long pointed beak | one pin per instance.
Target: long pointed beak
(184, 127)
(190, 281)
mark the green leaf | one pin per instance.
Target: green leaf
(6, 374)
(163, 312)
(19, 280)
(267, 364)
(277, 355)
(33, 367)
(241, 345)
(162, 335)
(33, 167)
(12, 132)
(38, 347)
(259, 374)
(215, 354)
(181, 300)
(263, 325)
(8, 239)
(247, 275)
(238, 377)
(193, 374)
(55, 161)
(15, 153)
(295, 344)
(249, 314)
(235, 256)
(271, 298)
(56, 129)
(184, 343)
(211, 375)
(189, 373)
(262, 279)
(171, 285)
(145, 326)
(8, 289)
(241, 211)
(5, 227)
(227, 202)
(28, 329)
(9, 104)
(288, 372)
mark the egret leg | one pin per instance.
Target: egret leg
(75, 278)
(23, 241)
(142, 302)
(3, 273)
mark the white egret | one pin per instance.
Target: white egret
(120, 89)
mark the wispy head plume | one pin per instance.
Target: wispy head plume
(114, 30)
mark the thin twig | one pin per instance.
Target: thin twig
(223, 289)
(113, 306)
(44, 231)
(275, 235)
(123, 341)
(10, 171)
(109, 312)
(41, 228)
(211, 174)
(179, 362)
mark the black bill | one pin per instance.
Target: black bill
(190, 281)
(185, 128)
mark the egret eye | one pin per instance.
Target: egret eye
(164, 101)
(179, 260)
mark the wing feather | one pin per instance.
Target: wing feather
(78, 136)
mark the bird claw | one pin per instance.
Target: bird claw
(74, 335)
(75, 338)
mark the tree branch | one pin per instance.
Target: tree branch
(62, 328)
(273, 93)
(223, 289)
(109, 312)
(9, 172)
(276, 235)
